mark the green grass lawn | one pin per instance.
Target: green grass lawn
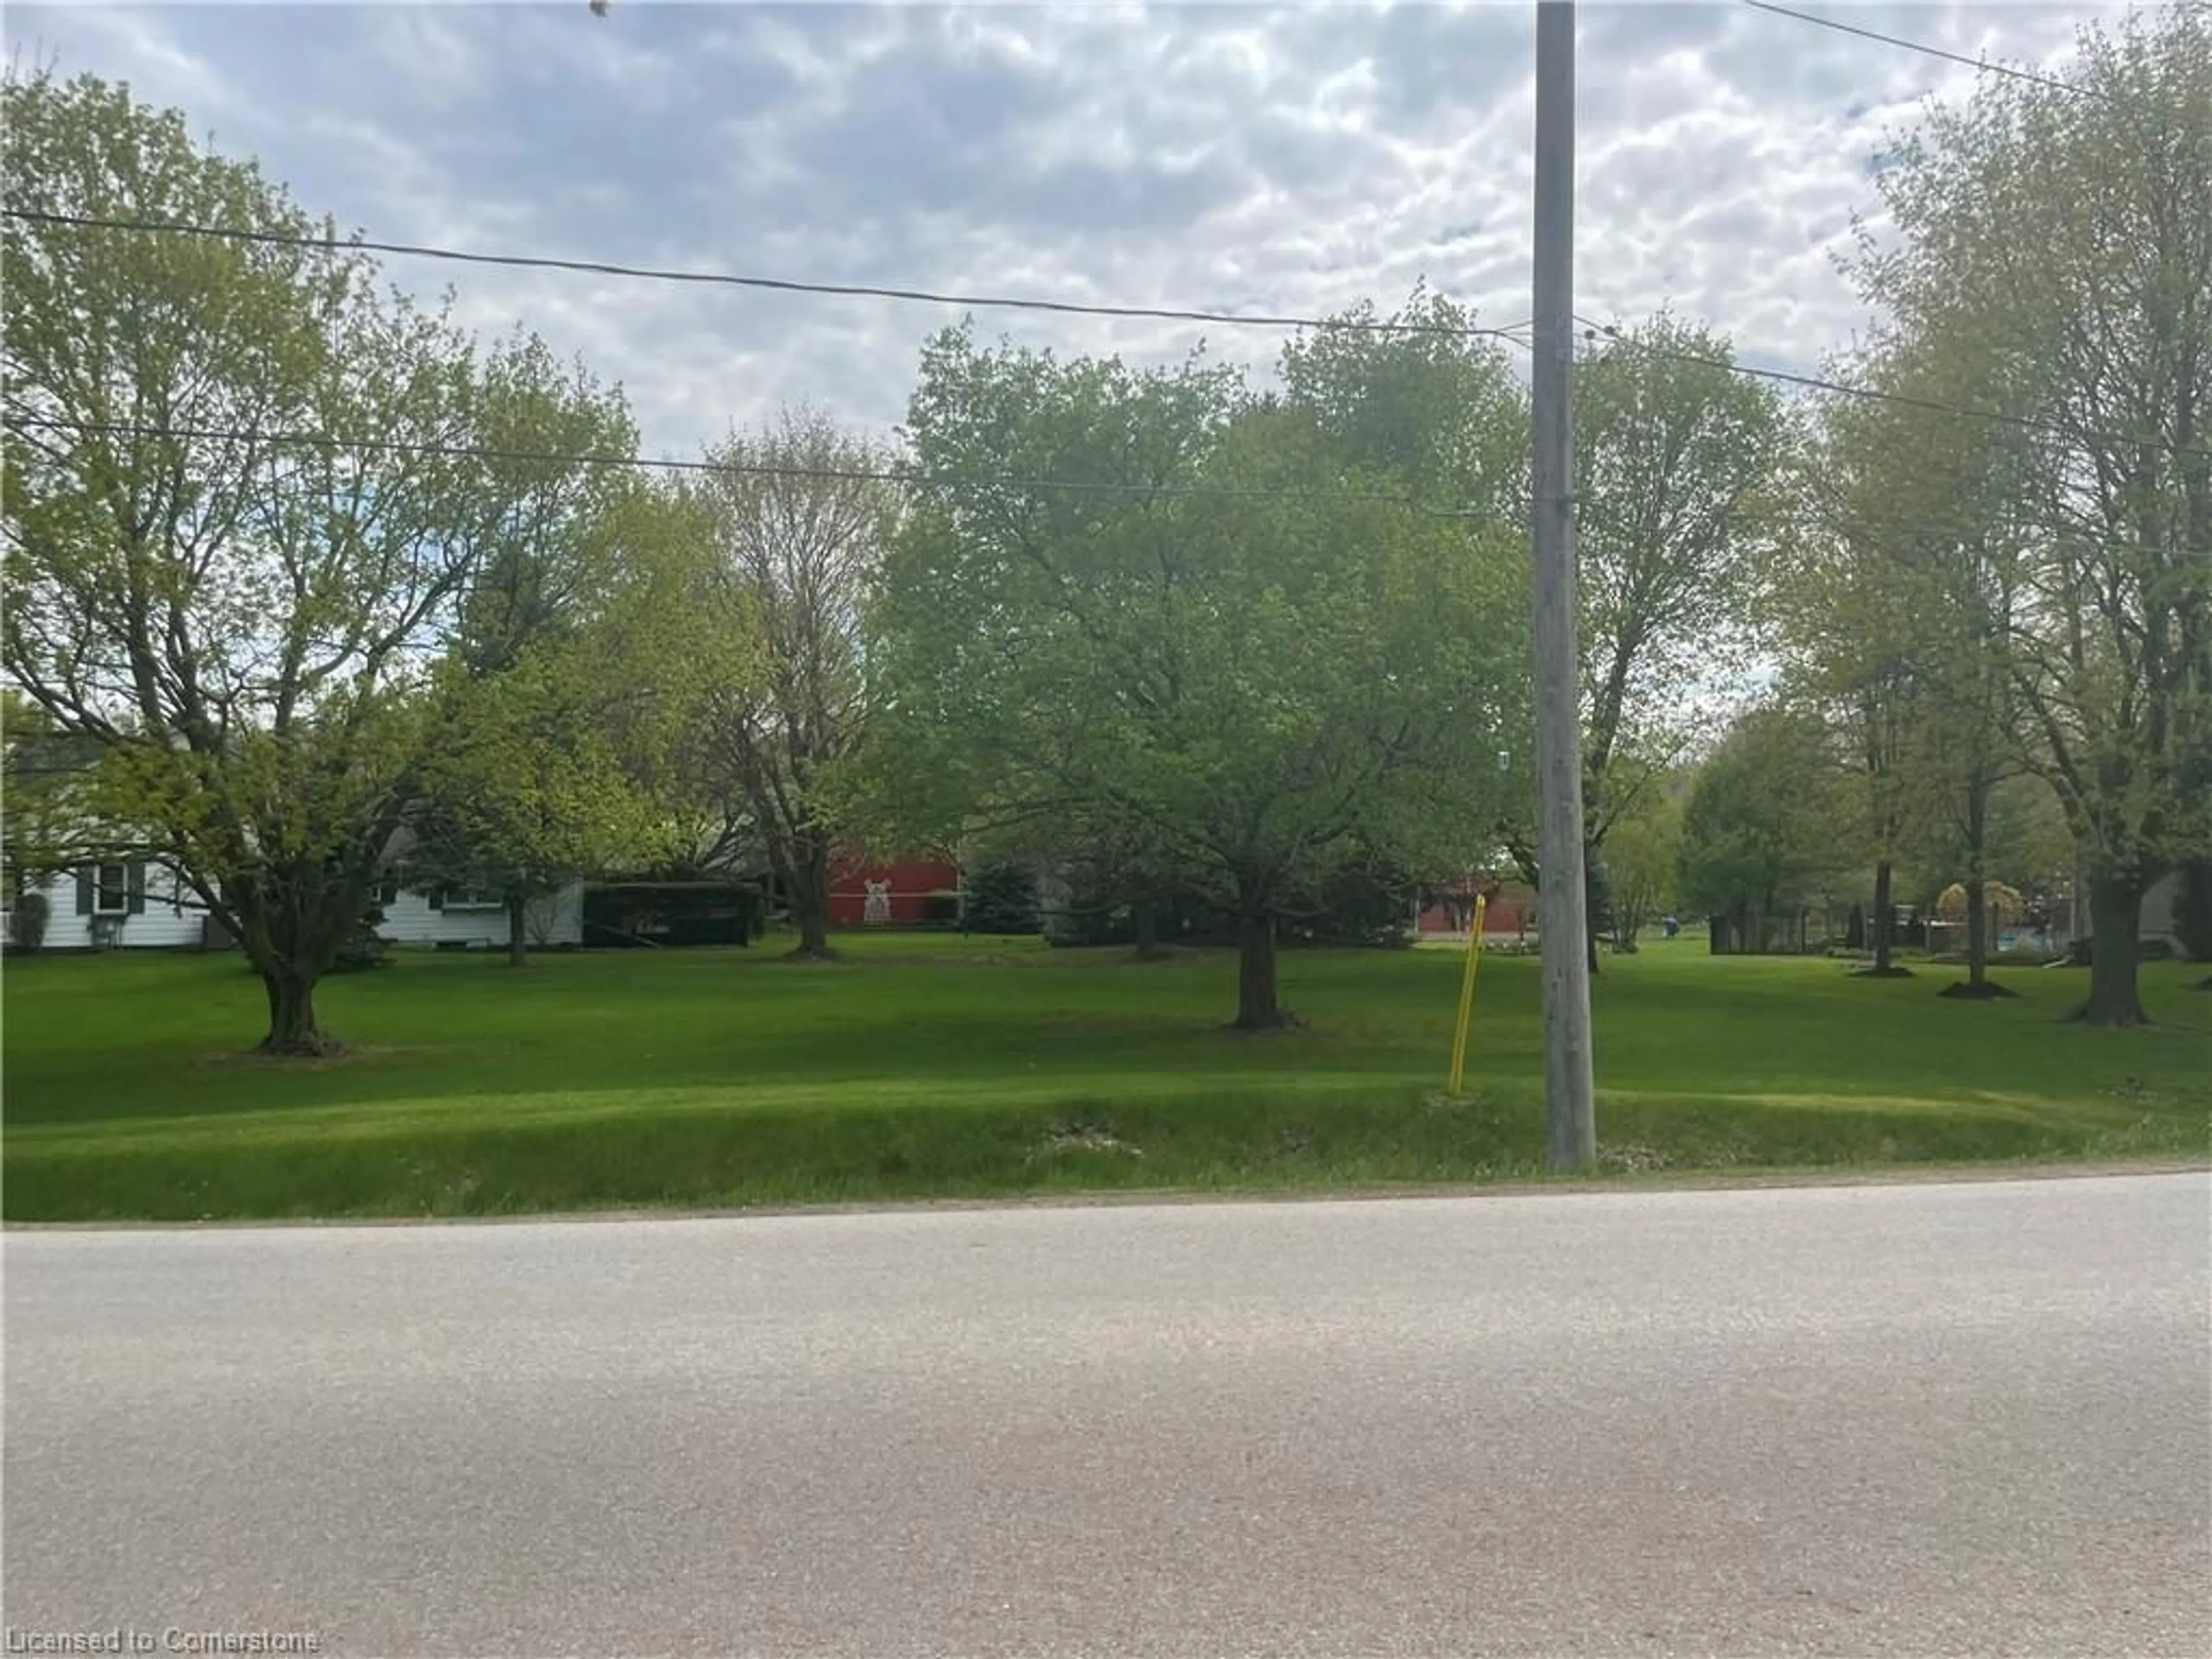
(935, 1067)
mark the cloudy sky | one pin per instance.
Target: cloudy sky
(1288, 160)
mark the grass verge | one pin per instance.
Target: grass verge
(944, 1068)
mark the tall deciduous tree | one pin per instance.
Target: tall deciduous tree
(1850, 611)
(800, 521)
(1902, 601)
(2057, 242)
(1424, 397)
(562, 642)
(536, 778)
(1269, 681)
(1676, 461)
(699, 646)
(545, 560)
(236, 518)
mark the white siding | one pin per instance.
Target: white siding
(172, 916)
(2161, 910)
(556, 918)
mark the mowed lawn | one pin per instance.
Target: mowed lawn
(939, 1067)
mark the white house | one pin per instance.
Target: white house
(138, 905)
(143, 904)
(129, 903)
(460, 916)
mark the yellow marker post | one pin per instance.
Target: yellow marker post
(1467, 993)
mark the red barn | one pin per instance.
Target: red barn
(890, 894)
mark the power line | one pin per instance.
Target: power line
(770, 284)
(1515, 335)
(1960, 526)
(2051, 83)
(1871, 394)
(748, 469)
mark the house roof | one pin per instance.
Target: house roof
(32, 756)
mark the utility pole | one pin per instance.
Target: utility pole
(1570, 1112)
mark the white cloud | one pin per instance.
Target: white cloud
(425, 49)
(1290, 160)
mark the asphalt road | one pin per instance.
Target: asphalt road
(1919, 1419)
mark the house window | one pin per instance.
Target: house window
(110, 893)
(111, 889)
(468, 898)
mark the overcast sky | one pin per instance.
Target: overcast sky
(1294, 159)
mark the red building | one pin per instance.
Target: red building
(1510, 911)
(890, 894)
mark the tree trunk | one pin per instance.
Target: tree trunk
(1596, 905)
(1977, 900)
(1148, 928)
(810, 897)
(518, 933)
(1885, 915)
(2115, 931)
(292, 1029)
(1977, 931)
(1258, 1008)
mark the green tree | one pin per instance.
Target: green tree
(1002, 898)
(799, 523)
(1846, 637)
(1676, 464)
(237, 519)
(1677, 461)
(526, 790)
(2055, 245)
(1422, 396)
(1643, 857)
(1120, 865)
(1898, 601)
(544, 562)
(693, 645)
(1270, 680)
(561, 643)
(1758, 828)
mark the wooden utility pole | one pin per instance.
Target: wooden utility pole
(1570, 1113)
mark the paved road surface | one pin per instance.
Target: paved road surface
(1918, 1419)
